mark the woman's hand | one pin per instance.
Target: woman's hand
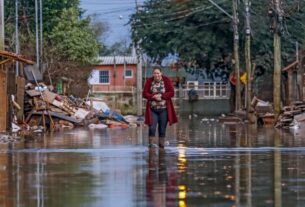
(157, 97)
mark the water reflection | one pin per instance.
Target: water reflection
(156, 178)
(206, 164)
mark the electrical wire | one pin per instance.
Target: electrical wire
(172, 19)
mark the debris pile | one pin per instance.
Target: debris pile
(230, 119)
(45, 109)
(50, 110)
(292, 116)
(260, 112)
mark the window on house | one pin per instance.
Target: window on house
(128, 73)
(104, 76)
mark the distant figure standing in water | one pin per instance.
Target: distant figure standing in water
(158, 90)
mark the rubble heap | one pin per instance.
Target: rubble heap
(51, 110)
(291, 115)
(46, 109)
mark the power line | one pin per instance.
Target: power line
(110, 3)
(105, 12)
(197, 26)
(221, 9)
(173, 19)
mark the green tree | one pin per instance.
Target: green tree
(197, 31)
(67, 36)
(73, 39)
(193, 30)
(70, 41)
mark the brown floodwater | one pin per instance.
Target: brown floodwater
(205, 163)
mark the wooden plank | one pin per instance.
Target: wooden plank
(33, 93)
(49, 96)
(58, 115)
(290, 66)
(5, 61)
(297, 103)
(3, 102)
(16, 57)
(288, 108)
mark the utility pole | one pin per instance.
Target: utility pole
(248, 55)
(278, 17)
(139, 82)
(139, 76)
(17, 34)
(236, 55)
(1, 24)
(41, 36)
(37, 35)
(3, 77)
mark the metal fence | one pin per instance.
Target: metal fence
(205, 91)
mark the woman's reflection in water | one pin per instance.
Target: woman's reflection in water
(158, 185)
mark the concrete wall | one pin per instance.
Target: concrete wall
(206, 107)
(124, 103)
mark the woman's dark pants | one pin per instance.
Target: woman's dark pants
(159, 118)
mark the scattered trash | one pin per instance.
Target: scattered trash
(131, 118)
(7, 138)
(15, 128)
(230, 119)
(204, 120)
(97, 126)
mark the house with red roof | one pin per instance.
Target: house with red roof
(114, 74)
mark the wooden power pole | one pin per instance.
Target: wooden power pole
(139, 75)
(3, 76)
(1, 24)
(236, 55)
(248, 55)
(277, 57)
(139, 83)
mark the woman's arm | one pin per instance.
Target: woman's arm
(146, 91)
(169, 89)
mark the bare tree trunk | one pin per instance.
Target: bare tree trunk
(248, 56)
(277, 62)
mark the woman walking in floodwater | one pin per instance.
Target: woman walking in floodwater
(158, 90)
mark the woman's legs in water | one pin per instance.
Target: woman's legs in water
(162, 124)
(152, 130)
(159, 118)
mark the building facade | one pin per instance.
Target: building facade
(114, 74)
(114, 80)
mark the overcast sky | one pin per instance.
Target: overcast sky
(116, 14)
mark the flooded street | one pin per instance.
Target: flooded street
(205, 163)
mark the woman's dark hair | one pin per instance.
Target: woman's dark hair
(157, 67)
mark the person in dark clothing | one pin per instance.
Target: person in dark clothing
(158, 90)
